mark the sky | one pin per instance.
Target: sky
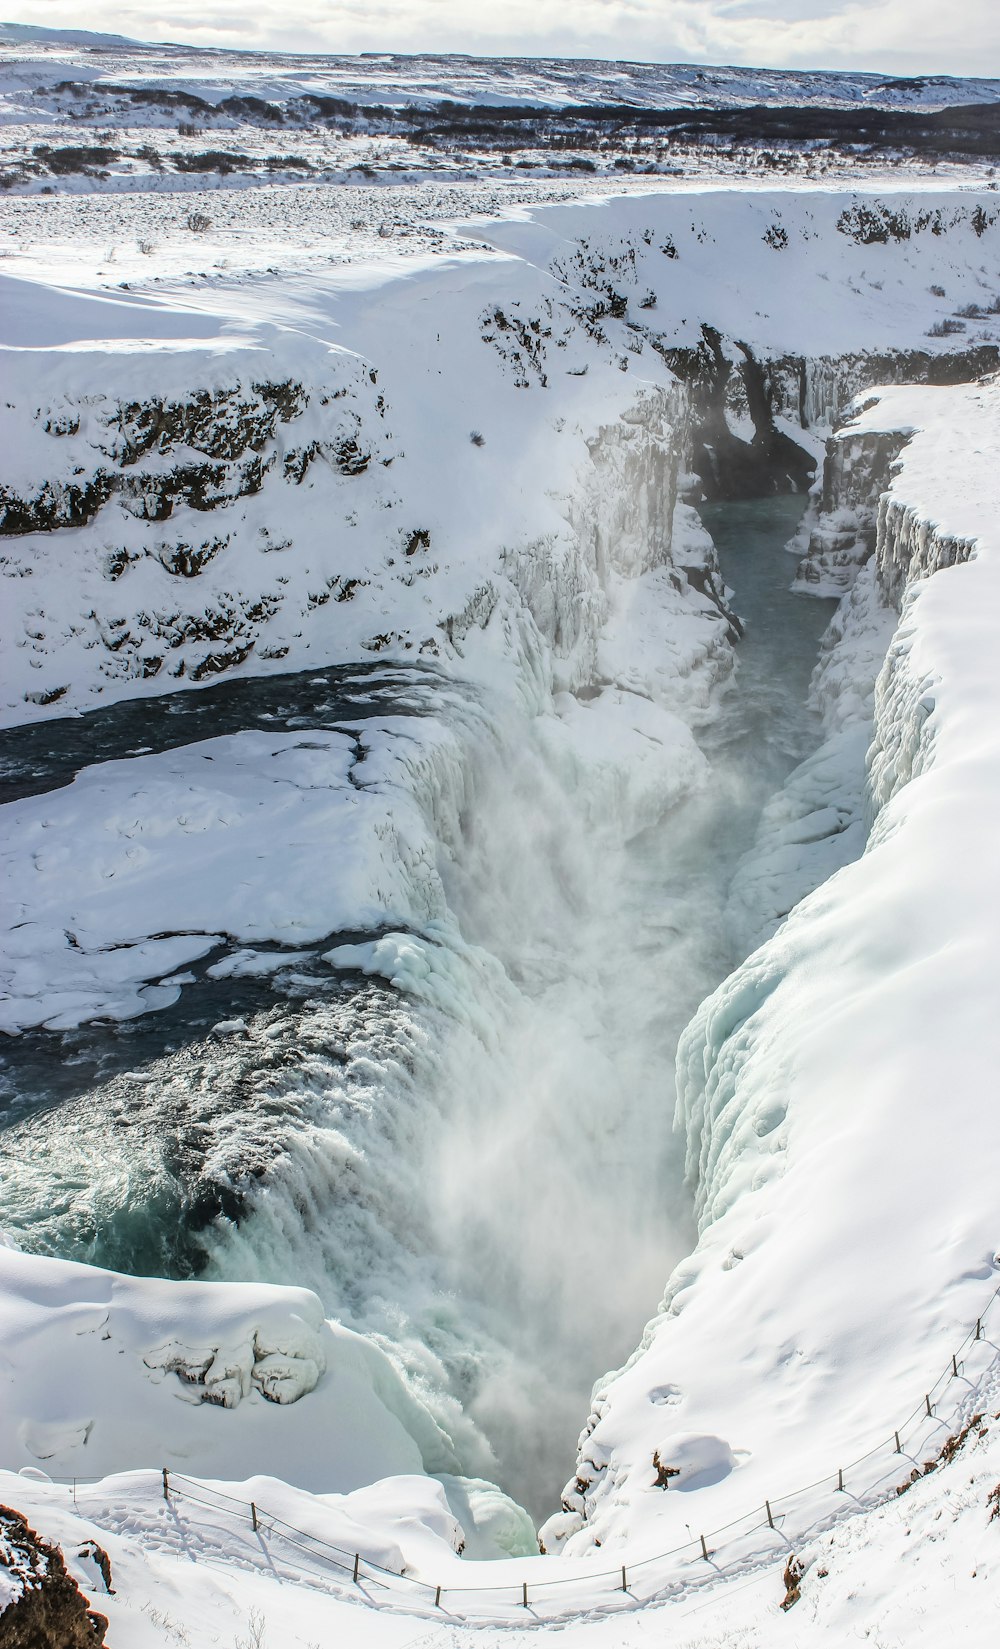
(901, 36)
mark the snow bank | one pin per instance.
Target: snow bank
(208, 1375)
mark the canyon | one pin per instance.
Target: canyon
(497, 770)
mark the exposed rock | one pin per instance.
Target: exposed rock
(663, 1472)
(46, 1610)
(727, 465)
(792, 1577)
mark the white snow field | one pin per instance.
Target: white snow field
(388, 789)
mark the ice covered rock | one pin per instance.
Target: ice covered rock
(492, 1523)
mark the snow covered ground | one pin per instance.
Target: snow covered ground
(192, 1570)
(78, 115)
(458, 451)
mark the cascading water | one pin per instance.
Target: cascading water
(459, 1137)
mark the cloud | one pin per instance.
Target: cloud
(902, 36)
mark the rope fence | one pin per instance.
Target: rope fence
(750, 1541)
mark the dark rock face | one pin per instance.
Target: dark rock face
(228, 428)
(231, 430)
(726, 379)
(48, 1610)
(727, 466)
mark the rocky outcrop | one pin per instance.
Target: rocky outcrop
(839, 531)
(45, 1608)
(854, 517)
(908, 547)
(723, 385)
(820, 388)
(166, 484)
(217, 444)
(731, 384)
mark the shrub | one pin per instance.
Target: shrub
(211, 160)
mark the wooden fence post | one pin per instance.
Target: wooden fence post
(437, 1598)
(166, 1485)
(253, 1516)
(624, 1581)
(524, 1594)
(767, 1508)
(704, 1548)
(357, 1565)
(899, 1446)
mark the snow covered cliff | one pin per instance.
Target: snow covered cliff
(832, 1090)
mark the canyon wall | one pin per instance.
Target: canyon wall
(836, 1080)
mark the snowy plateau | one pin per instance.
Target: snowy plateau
(499, 755)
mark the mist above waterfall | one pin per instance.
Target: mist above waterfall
(462, 1138)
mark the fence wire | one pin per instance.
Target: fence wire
(708, 1548)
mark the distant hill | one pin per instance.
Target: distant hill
(393, 80)
(18, 32)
